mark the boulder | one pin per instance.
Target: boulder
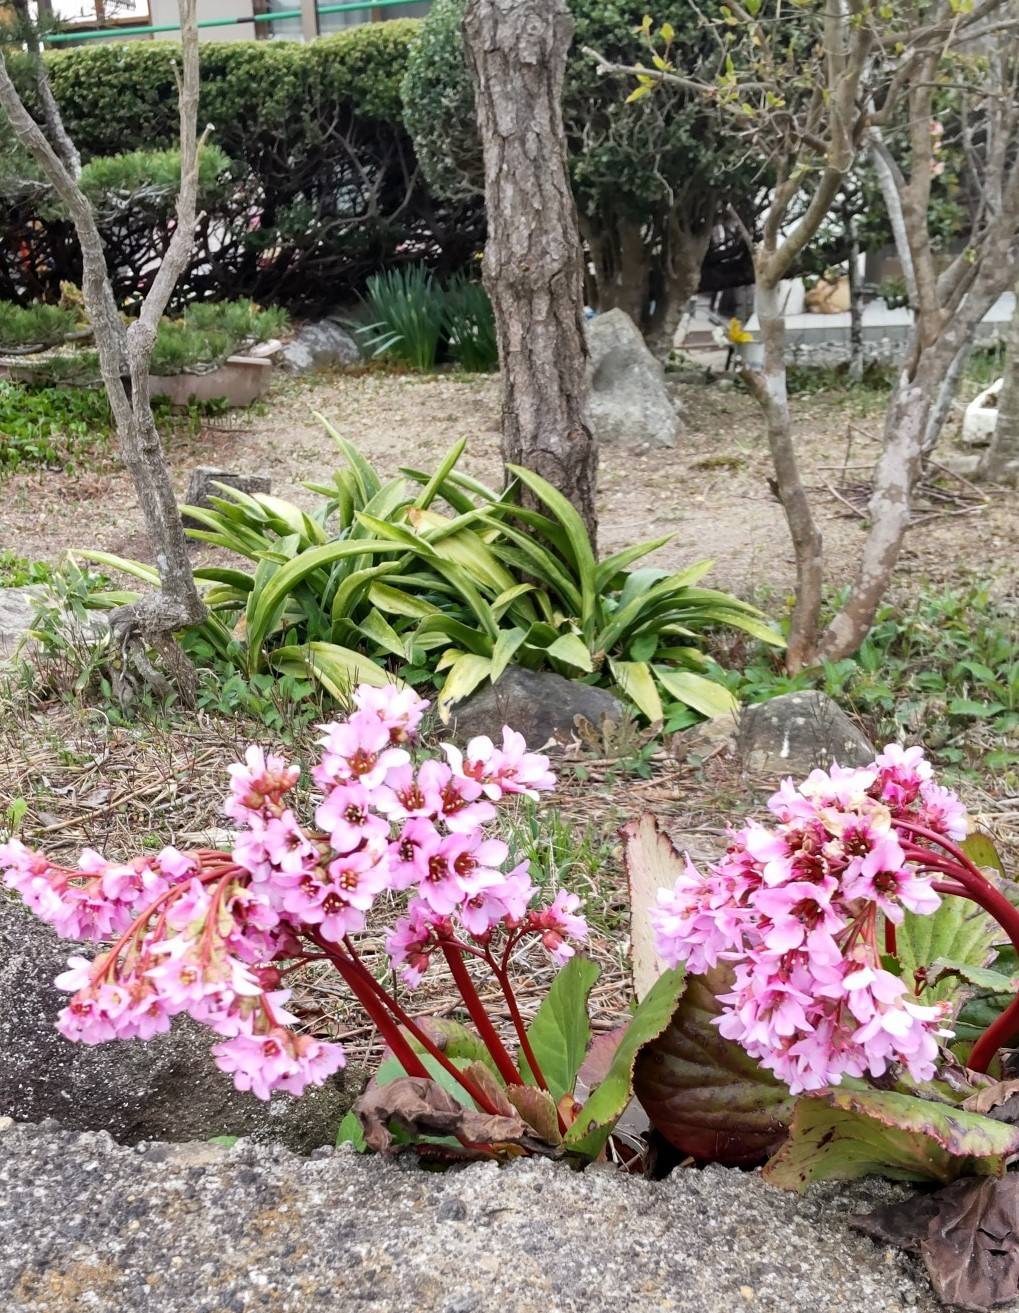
(17, 609)
(203, 478)
(539, 704)
(629, 401)
(319, 346)
(167, 1089)
(797, 732)
(89, 1225)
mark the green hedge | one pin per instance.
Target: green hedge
(322, 188)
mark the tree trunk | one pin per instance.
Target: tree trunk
(769, 387)
(533, 266)
(856, 357)
(1001, 463)
(683, 251)
(622, 264)
(155, 616)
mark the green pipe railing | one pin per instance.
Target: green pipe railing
(60, 38)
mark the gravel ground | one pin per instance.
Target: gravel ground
(88, 1225)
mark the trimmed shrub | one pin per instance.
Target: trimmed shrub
(320, 186)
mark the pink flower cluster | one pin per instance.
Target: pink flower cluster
(796, 909)
(205, 932)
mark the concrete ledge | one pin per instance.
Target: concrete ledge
(195, 1228)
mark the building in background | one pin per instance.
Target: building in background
(232, 18)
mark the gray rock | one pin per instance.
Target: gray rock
(318, 346)
(87, 1224)
(629, 401)
(539, 704)
(167, 1089)
(17, 608)
(797, 732)
(203, 478)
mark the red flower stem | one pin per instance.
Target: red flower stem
(890, 944)
(141, 921)
(481, 1019)
(999, 1033)
(381, 1001)
(518, 1022)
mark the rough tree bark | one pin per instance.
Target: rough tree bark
(533, 266)
(121, 349)
(1001, 462)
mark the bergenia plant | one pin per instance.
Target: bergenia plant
(216, 934)
(838, 957)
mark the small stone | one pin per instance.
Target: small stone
(202, 481)
(629, 401)
(451, 1210)
(748, 1293)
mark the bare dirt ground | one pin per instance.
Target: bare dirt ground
(711, 492)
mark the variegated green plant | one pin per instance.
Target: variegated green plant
(377, 578)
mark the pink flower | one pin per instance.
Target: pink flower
(347, 817)
(559, 923)
(408, 856)
(260, 781)
(404, 795)
(801, 915)
(357, 753)
(412, 940)
(942, 811)
(286, 845)
(510, 769)
(901, 772)
(399, 710)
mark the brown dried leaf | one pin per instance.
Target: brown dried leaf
(903, 1225)
(993, 1096)
(422, 1107)
(971, 1250)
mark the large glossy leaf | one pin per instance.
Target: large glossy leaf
(704, 695)
(560, 1031)
(273, 596)
(337, 669)
(396, 601)
(847, 1133)
(465, 674)
(606, 1104)
(652, 864)
(958, 931)
(618, 561)
(571, 650)
(637, 682)
(576, 531)
(463, 548)
(505, 649)
(704, 1093)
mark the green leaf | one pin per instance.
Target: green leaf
(560, 1031)
(273, 596)
(350, 1132)
(505, 649)
(576, 531)
(571, 650)
(608, 1102)
(433, 488)
(394, 601)
(958, 931)
(537, 1109)
(844, 1134)
(464, 676)
(457, 1041)
(981, 977)
(704, 1093)
(704, 695)
(637, 682)
(376, 627)
(612, 565)
(980, 849)
(337, 669)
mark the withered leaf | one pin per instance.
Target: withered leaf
(482, 1076)
(967, 1235)
(998, 1101)
(971, 1250)
(903, 1224)
(422, 1107)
